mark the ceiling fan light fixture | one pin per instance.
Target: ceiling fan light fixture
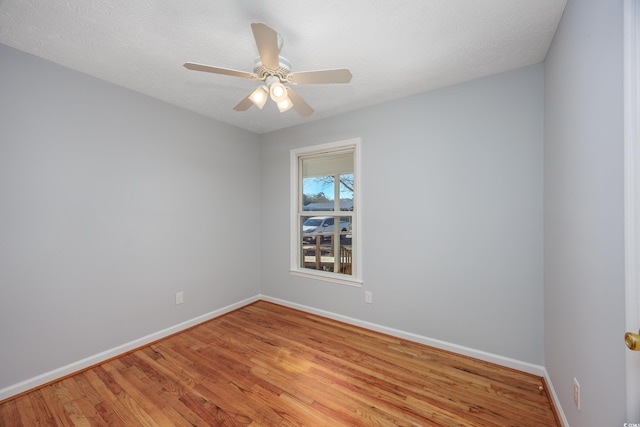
(284, 104)
(259, 96)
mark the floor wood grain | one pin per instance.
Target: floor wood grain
(268, 365)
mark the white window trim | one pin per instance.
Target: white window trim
(355, 279)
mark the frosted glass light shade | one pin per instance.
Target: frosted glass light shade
(284, 104)
(278, 91)
(259, 96)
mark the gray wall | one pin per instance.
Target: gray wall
(584, 240)
(452, 215)
(110, 203)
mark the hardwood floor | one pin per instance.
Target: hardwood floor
(268, 365)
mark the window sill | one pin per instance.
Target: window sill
(327, 277)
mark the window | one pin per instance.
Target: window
(325, 212)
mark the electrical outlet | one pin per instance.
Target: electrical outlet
(576, 393)
(368, 297)
(179, 297)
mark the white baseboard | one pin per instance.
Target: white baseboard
(519, 365)
(556, 401)
(71, 368)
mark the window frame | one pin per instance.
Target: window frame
(355, 279)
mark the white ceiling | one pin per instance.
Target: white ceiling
(393, 48)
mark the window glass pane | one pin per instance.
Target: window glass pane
(321, 240)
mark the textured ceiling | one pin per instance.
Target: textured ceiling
(393, 48)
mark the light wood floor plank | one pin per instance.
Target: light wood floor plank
(9, 414)
(269, 365)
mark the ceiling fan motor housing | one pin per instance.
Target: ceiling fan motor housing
(263, 72)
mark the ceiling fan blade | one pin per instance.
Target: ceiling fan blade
(267, 43)
(244, 104)
(299, 104)
(218, 70)
(341, 75)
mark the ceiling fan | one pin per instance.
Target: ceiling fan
(275, 73)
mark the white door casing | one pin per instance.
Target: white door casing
(632, 197)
